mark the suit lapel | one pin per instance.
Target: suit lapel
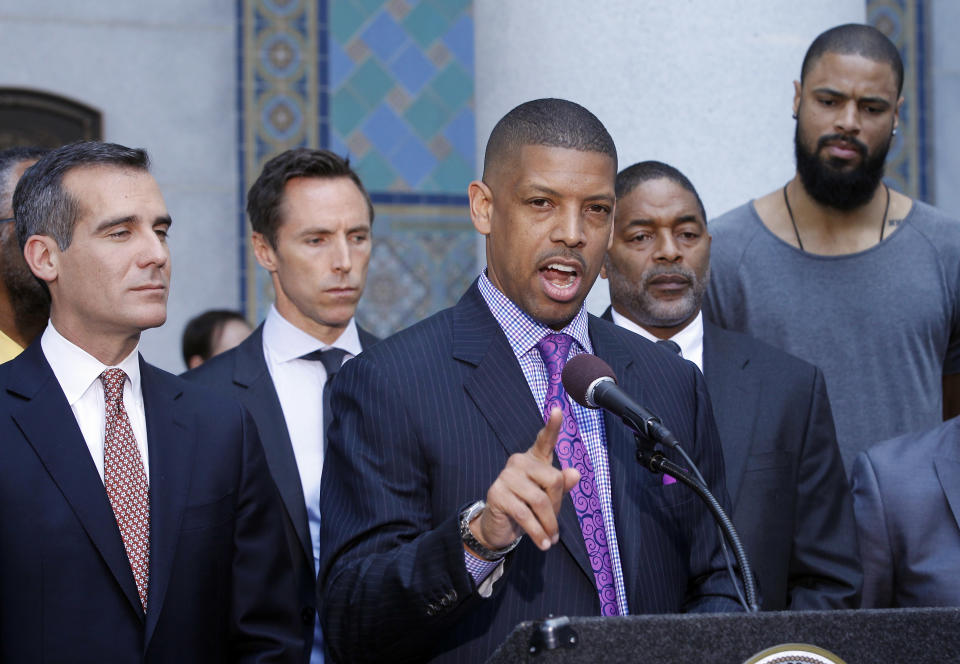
(171, 442)
(948, 469)
(620, 453)
(502, 395)
(51, 428)
(252, 375)
(732, 393)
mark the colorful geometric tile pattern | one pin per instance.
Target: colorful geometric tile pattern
(907, 162)
(401, 92)
(390, 84)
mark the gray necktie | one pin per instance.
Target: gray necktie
(332, 359)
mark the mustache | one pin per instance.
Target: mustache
(672, 270)
(569, 254)
(831, 138)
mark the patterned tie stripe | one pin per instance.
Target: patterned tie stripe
(126, 481)
(572, 453)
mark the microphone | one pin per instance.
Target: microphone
(591, 383)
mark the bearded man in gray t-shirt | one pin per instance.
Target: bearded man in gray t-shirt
(837, 268)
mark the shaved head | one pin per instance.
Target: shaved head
(855, 39)
(555, 123)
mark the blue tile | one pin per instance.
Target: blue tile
(385, 130)
(460, 133)
(459, 39)
(413, 161)
(341, 66)
(412, 69)
(384, 36)
(337, 145)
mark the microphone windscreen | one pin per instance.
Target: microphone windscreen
(580, 373)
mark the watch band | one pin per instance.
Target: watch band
(490, 555)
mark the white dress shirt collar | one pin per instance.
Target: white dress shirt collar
(286, 341)
(76, 369)
(690, 338)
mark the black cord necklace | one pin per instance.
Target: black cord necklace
(796, 232)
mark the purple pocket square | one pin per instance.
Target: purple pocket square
(667, 479)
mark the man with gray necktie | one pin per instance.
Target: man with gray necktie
(311, 219)
(792, 505)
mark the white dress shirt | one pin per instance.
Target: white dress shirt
(78, 373)
(690, 338)
(299, 384)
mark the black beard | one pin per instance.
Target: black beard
(841, 190)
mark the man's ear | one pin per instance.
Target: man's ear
(481, 206)
(43, 257)
(264, 252)
(797, 90)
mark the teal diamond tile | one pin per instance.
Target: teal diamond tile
(347, 111)
(375, 173)
(451, 9)
(453, 175)
(427, 116)
(345, 20)
(453, 85)
(371, 82)
(368, 7)
(425, 24)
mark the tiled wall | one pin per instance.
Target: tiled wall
(390, 84)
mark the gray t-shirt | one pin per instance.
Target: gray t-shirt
(883, 324)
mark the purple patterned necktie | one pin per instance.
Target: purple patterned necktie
(572, 453)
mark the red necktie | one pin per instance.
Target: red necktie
(126, 481)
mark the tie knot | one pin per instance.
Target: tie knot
(670, 345)
(113, 380)
(331, 358)
(554, 349)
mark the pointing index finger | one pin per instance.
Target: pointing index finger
(547, 437)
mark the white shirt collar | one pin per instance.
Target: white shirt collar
(690, 338)
(286, 341)
(76, 369)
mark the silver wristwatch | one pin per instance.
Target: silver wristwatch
(491, 555)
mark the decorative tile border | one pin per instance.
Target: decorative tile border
(903, 21)
(389, 83)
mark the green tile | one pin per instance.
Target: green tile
(369, 7)
(427, 115)
(371, 82)
(449, 8)
(453, 174)
(375, 173)
(453, 85)
(345, 20)
(347, 111)
(425, 25)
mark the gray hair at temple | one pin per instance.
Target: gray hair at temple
(555, 123)
(41, 204)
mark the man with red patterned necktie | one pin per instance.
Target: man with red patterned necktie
(488, 497)
(139, 523)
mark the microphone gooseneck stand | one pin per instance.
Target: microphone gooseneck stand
(656, 462)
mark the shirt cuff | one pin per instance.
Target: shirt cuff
(484, 572)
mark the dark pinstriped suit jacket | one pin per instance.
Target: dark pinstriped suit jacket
(425, 422)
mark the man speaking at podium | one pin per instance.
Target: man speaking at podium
(451, 511)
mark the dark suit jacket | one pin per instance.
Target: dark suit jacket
(219, 576)
(791, 502)
(243, 372)
(907, 497)
(425, 422)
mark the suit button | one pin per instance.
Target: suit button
(451, 597)
(307, 615)
(431, 610)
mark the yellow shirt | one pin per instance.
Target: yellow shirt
(9, 348)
